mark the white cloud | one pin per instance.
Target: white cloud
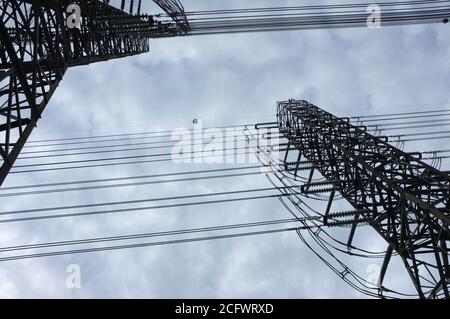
(222, 80)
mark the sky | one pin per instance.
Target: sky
(221, 80)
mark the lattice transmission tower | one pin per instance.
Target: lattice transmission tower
(405, 200)
(38, 46)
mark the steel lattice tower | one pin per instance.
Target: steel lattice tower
(404, 199)
(37, 48)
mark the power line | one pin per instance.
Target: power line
(419, 133)
(437, 157)
(317, 7)
(312, 20)
(149, 244)
(425, 138)
(47, 209)
(163, 181)
(407, 125)
(124, 210)
(436, 151)
(236, 139)
(402, 113)
(88, 166)
(148, 235)
(114, 179)
(131, 134)
(142, 156)
(405, 117)
(135, 149)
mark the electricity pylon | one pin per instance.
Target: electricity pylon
(405, 200)
(41, 39)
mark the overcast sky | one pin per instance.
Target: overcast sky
(222, 80)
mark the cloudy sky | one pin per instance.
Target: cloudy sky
(222, 80)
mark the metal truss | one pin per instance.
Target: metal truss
(37, 47)
(404, 199)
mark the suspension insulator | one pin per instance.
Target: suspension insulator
(317, 191)
(322, 183)
(305, 168)
(348, 222)
(349, 213)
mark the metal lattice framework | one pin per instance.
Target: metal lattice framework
(404, 199)
(37, 47)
